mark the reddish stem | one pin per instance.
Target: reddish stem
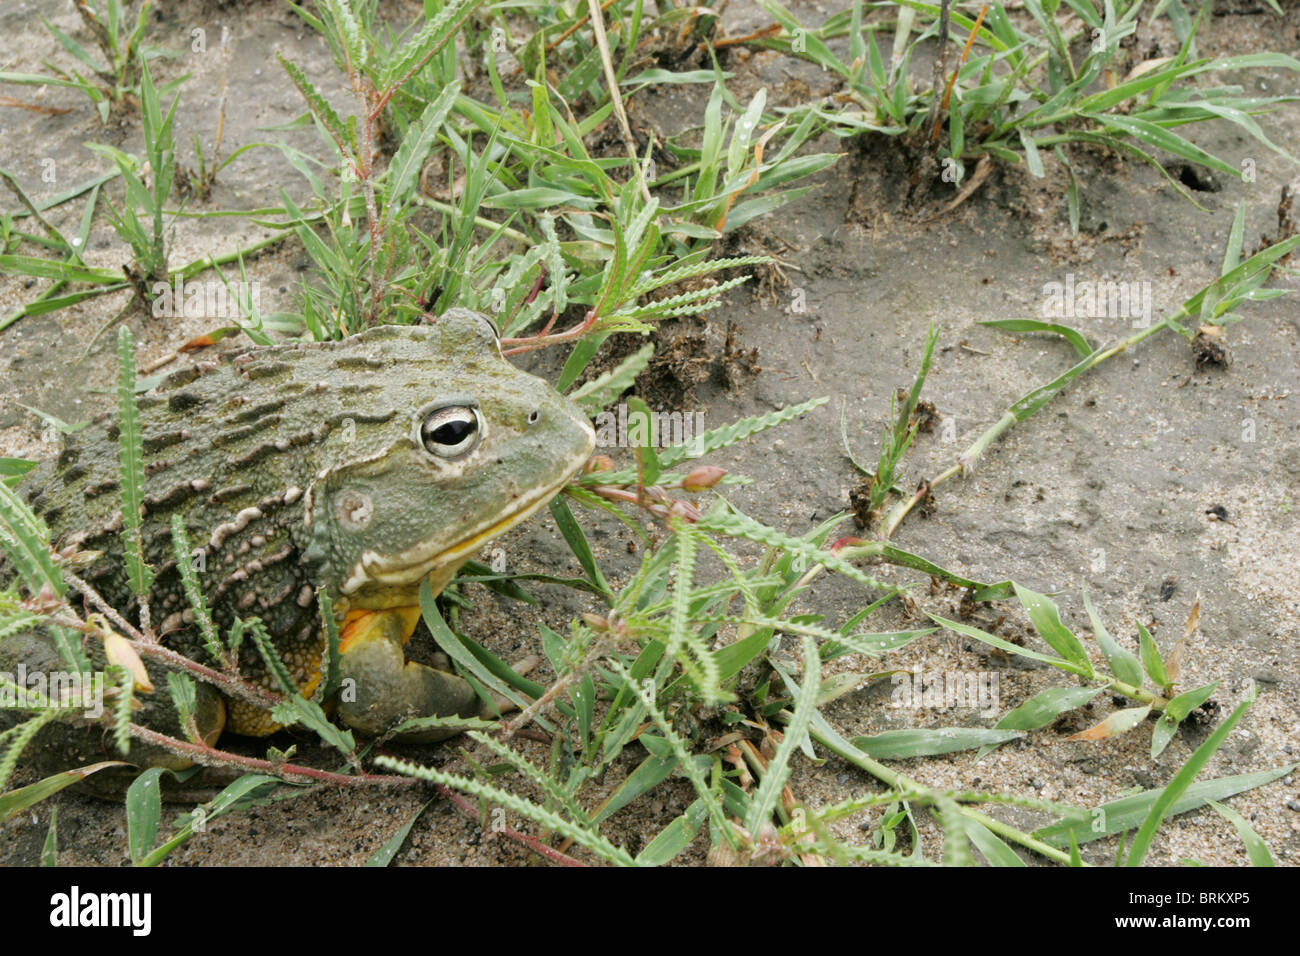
(211, 757)
(542, 340)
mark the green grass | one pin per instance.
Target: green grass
(113, 80)
(1026, 91)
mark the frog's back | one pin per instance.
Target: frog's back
(231, 446)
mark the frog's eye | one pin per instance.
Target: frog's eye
(452, 431)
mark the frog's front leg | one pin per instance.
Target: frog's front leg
(381, 688)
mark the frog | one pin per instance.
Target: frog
(362, 469)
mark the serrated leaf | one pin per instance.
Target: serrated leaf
(194, 593)
(430, 38)
(778, 768)
(131, 468)
(404, 171)
(184, 697)
(600, 391)
(23, 539)
(722, 520)
(317, 103)
(716, 438)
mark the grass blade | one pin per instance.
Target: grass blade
(1182, 780)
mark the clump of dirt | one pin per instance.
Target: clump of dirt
(878, 169)
(683, 360)
(864, 516)
(1210, 347)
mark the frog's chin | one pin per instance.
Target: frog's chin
(381, 581)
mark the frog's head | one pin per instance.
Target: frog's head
(475, 447)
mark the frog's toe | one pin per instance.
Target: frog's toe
(381, 689)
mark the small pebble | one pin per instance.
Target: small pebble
(1293, 805)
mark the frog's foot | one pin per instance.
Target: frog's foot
(381, 689)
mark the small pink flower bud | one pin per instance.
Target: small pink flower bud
(706, 476)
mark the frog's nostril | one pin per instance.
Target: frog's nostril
(534, 416)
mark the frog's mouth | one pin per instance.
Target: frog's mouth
(393, 580)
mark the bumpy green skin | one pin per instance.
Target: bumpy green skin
(301, 467)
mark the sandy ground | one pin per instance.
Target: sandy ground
(1113, 486)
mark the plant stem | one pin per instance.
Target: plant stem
(898, 781)
(966, 462)
(211, 757)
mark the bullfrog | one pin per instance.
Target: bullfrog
(363, 468)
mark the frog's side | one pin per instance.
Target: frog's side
(364, 467)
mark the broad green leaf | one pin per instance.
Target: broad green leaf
(577, 542)
(15, 801)
(1046, 619)
(1168, 797)
(1256, 848)
(50, 850)
(675, 837)
(930, 741)
(1175, 712)
(993, 849)
(143, 809)
(1007, 646)
(1045, 706)
(649, 774)
(1151, 660)
(1126, 813)
(1122, 663)
(1074, 337)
